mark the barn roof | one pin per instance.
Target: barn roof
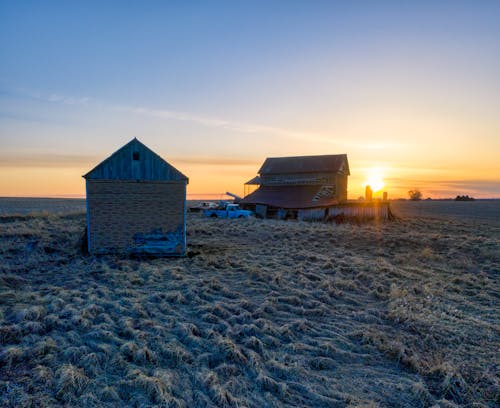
(329, 163)
(289, 197)
(135, 161)
(253, 182)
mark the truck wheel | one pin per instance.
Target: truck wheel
(241, 216)
(213, 216)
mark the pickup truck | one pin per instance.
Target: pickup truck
(228, 211)
(207, 205)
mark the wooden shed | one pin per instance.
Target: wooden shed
(136, 204)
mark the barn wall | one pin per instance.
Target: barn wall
(311, 214)
(261, 210)
(342, 187)
(136, 217)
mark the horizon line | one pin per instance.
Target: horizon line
(205, 195)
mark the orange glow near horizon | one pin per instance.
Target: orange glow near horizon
(210, 179)
(374, 179)
(42, 182)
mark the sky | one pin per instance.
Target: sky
(409, 90)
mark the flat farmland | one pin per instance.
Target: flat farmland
(23, 206)
(261, 313)
(479, 211)
(483, 211)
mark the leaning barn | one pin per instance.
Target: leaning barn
(308, 188)
(136, 204)
(300, 187)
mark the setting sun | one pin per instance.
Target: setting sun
(375, 179)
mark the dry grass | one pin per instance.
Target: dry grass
(262, 313)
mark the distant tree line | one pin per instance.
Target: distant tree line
(464, 198)
(415, 194)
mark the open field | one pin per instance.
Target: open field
(261, 313)
(479, 211)
(13, 205)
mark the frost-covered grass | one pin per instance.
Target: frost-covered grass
(261, 313)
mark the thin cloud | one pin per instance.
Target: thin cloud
(53, 160)
(69, 100)
(209, 121)
(56, 160)
(243, 127)
(215, 161)
(448, 187)
(52, 98)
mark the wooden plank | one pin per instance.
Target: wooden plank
(135, 161)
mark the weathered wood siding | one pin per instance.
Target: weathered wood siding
(135, 161)
(361, 210)
(312, 214)
(342, 187)
(298, 179)
(261, 210)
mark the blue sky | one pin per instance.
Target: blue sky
(215, 87)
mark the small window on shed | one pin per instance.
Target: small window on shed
(135, 155)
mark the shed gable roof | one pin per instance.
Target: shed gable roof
(135, 161)
(329, 163)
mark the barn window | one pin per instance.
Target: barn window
(135, 155)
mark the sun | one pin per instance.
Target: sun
(375, 179)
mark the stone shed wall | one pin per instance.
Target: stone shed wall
(136, 217)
